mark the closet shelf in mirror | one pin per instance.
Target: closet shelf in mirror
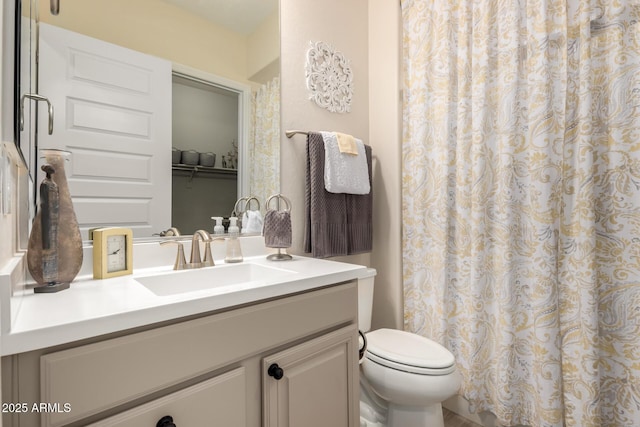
(192, 170)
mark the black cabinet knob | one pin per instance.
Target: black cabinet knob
(166, 421)
(275, 371)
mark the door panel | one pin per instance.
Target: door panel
(113, 112)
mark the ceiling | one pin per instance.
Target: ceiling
(241, 16)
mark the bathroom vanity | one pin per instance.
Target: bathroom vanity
(275, 352)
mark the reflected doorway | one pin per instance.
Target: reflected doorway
(205, 153)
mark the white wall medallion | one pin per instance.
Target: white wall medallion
(329, 78)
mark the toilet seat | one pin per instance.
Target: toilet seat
(408, 352)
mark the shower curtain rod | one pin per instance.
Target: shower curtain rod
(290, 133)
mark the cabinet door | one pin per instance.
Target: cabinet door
(219, 401)
(315, 384)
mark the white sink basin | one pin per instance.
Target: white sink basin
(242, 276)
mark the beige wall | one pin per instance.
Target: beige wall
(263, 50)
(367, 34)
(385, 133)
(172, 34)
(343, 25)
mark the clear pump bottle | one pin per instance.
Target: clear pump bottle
(234, 252)
(219, 228)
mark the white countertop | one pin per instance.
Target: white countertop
(91, 308)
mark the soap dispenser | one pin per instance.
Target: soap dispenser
(219, 228)
(234, 252)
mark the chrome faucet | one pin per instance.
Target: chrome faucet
(195, 261)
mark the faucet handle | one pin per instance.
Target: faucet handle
(181, 262)
(172, 231)
(208, 258)
(207, 261)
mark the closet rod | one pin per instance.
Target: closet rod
(290, 133)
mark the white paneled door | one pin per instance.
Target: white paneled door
(113, 113)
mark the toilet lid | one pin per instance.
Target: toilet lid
(409, 352)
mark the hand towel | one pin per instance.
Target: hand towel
(335, 223)
(252, 222)
(277, 229)
(344, 173)
(347, 143)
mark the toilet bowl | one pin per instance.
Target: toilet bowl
(404, 377)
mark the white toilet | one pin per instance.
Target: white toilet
(404, 377)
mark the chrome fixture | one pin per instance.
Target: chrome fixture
(173, 231)
(195, 261)
(181, 262)
(290, 133)
(36, 97)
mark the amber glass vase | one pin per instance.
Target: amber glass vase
(54, 255)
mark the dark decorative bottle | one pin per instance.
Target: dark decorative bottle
(54, 255)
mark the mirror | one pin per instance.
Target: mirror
(220, 46)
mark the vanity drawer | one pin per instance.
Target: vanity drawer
(219, 401)
(98, 377)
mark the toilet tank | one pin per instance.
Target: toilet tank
(365, 299)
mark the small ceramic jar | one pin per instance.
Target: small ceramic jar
(190, 157)
(207, 159)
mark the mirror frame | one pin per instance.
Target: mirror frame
(17, 55)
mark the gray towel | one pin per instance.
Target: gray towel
(335, 223)
(277, 229)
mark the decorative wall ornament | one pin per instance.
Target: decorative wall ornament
(329, 78)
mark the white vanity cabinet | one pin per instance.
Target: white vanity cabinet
(209, 370)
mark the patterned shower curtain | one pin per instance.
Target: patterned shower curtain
(521, 202)
(264, 141)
